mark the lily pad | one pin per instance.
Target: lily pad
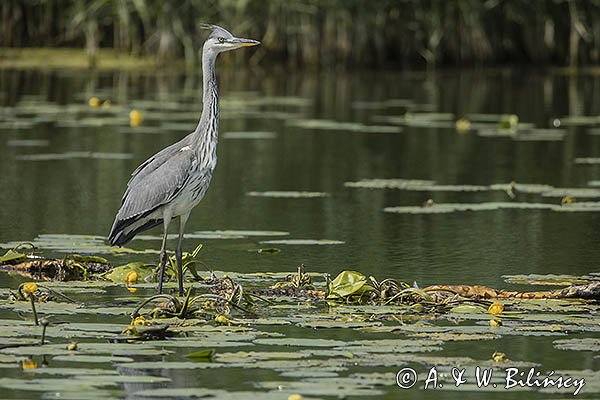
(75, 155)
(301, 342)
(576, 344)
(573, 192)
(548, 279)
(200, 393)
(459, 207)
(92, 359)
(303, 242)
(325, 124)
(249, 135)
(28, 143)
(287, 194)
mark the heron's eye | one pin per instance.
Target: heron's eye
(221, 39)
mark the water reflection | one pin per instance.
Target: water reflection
(80, 196)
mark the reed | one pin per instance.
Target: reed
(320, 32)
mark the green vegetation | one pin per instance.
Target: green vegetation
(318, 32)
(360, 324)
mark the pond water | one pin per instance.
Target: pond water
(292, 147)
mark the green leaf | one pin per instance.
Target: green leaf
(118, 274)
(469, 309)
(202, 355)
(348, 283)
(94, 259)
(12, 256)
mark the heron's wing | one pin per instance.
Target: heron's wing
(150, 189)
(154, 162)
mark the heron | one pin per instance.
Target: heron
(173, 181)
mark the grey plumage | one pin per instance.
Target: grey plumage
(174, 180)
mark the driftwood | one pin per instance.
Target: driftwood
(73, 269)
(56, 269)
(587, 291)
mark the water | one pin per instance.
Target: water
(82, 195)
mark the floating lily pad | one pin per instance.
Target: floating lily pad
(249, 135)
(573, 192)
(325, 124)
(535, 135)
(200, 393)
(456, 207)
(336, 387)
(250, 233)
(28, 143)
(58, 385)
(287, 194)
(303, 242)
(302, 342)
(576, 120)
(92, 359)
(168, 365)
(80, 244)
(75, 155)
(585, 344)
(70, 371)
(549, 279)
(419, 119)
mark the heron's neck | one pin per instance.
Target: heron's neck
(208, 127)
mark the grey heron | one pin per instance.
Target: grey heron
(174, 180)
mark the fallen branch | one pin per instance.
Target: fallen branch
(588, 291)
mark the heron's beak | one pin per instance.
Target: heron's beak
(239, 42)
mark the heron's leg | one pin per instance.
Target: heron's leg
(163, 254)
(182, 221)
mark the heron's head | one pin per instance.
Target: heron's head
(221, 40)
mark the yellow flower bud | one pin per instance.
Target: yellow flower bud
(29, 364)
(135, 118)
(30, 287)
(494, 323)
(139, 321)
(223, 320)
(131, 278)
(499, 357)
(94, 102)
(463, 125)
(496, 308)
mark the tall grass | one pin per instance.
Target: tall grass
(321, 32)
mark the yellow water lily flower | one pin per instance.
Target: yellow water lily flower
(131, 278)
(94, 102)
(135, 118)
(30, 287)
(137, 321)
(567, 200)
(494, 323)
(72, 346)
(499, 357)
(29, 364)
(462, 125)
(496, 308)
(223, 320)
